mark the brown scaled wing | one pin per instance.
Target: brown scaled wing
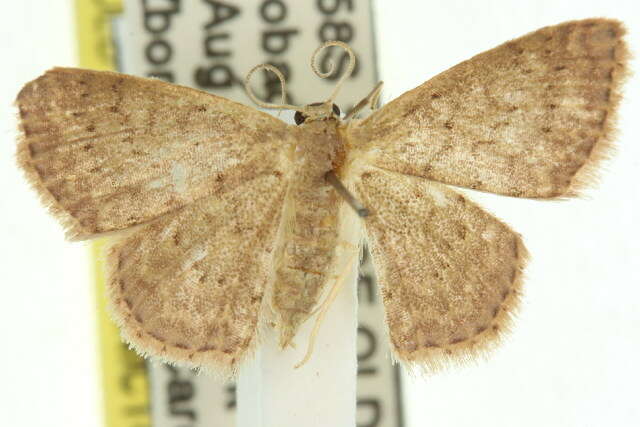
(450, 272)
(530, 118)
(107, 151)
(201, 179)
(189, 287)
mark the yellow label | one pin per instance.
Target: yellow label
(125, 383)
(95, 46)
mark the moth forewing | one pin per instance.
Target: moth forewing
(530, 118)
(107, 151)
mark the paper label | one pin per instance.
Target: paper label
(211, 45)
(182, 398)
(379, 390)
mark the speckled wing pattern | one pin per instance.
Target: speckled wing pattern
(191, 184)
(530, 118)
(107, 151)
(194, 186)
(450, 272)
(189, 286)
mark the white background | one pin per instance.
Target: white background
(572, 359)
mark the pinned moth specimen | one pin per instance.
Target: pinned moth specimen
(226, 218)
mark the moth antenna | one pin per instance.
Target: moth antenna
(371, 99)
(346, 195)
(283, 88)
(325, 307)
(348, 72)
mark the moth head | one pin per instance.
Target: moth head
(312, 112)
(317, 111)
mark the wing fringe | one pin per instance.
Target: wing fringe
(212, 362)
(72, 227)
(478, 348)
(603, 150)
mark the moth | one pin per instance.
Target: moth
(226, 219)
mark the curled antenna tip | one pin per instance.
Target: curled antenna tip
(283, 94)
(347, 73)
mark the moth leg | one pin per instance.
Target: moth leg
(371, 99)
(342, 243)
(324, 307)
